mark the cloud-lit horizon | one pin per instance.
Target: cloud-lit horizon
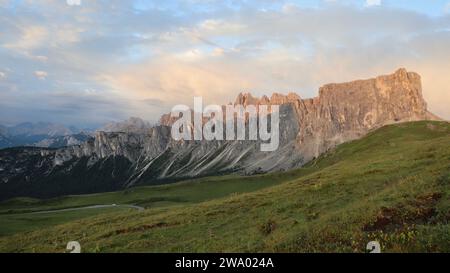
(100, 61)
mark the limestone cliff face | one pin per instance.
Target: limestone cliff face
(347, 111)
(308, 128)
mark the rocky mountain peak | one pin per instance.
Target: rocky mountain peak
(275, 99)
(246, 99)
(392, 97)
(131, 125)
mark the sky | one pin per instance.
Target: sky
(88, 62)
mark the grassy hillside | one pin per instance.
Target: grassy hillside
(19, 214)
(392, 186)
(15, 223)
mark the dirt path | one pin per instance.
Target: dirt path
(90, 207)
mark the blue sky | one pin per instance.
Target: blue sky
(101, 60)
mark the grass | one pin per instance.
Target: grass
(17, 214)
(15, 223)
(182, 193)
(392, 186)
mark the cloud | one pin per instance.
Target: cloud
(373, 3)
(87, 109)
(42, 75)
(112, 61)
(176, 80)
(73, 2)
(30, 37)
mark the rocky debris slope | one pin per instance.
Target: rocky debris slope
(308, 128)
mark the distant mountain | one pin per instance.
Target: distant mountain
(63, 141)
(51, 135)
(41, 134)
(131, 125)
(129, 153)
(3, 130)
(40, 128)
(5, 141)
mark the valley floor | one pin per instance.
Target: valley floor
(392, 186)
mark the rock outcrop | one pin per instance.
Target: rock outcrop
(308, 128)
(347, 111)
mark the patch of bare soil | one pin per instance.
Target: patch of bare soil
(144, 227)
(419, 211)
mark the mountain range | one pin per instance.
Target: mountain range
(51, 135)
(391, 186)
(41, 134)
(131, 125)
(126, 154)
